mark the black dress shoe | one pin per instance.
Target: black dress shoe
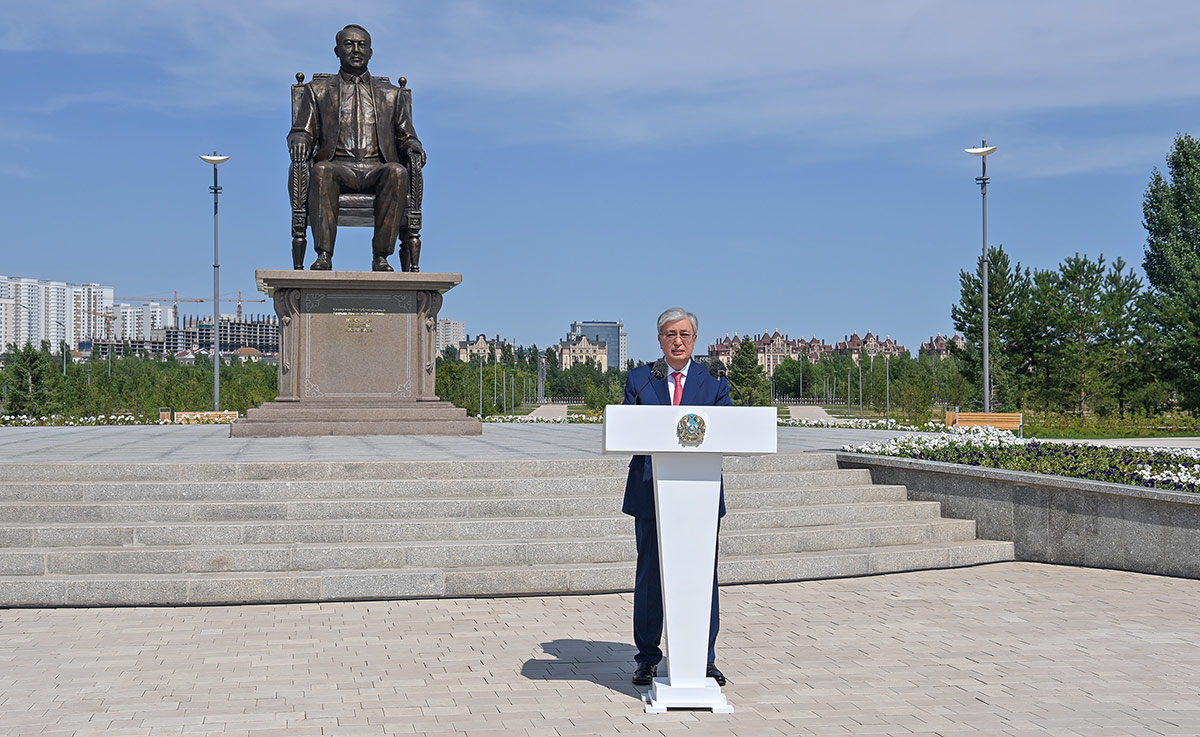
(323, 263)
(644, 675)
(715, 674)
(381, 264)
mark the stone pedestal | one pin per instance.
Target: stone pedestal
(356, 356)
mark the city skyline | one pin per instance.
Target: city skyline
(134, 321)
(613, 160)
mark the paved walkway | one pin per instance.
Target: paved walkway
(808, 412)
(198, 443)
(551, 411)
(1005, 649)
(207, 443)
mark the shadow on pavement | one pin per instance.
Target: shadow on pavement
(608, 664)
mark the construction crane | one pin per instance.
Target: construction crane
(177, 299)
(108, 320)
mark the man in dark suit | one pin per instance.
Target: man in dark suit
(686, 383)
(360, 126)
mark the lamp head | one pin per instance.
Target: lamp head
(215, 158)
(981, 151)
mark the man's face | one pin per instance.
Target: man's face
(677, 339)
(354, 50)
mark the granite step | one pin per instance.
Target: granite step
(110, 534)
(353, 470)
(800, 509)
(376, 509)
(452, 554)
(467, 487)
(348, 585)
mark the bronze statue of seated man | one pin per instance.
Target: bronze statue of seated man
(357, 132)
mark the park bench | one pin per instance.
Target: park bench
(188, 418)
(999, 420)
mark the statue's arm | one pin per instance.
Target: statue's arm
(406, 133)
(305, 127)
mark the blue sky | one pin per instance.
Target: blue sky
(769, 165)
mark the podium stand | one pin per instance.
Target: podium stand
(686, 444)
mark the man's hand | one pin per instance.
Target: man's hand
(416, 154)
(299, 150)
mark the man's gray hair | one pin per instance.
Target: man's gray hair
(678, 313)
(355, 26)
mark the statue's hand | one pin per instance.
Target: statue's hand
(299, 151)
(416, 154)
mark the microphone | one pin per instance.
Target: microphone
(717, 370)
(657, 371)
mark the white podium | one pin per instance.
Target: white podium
(687, 444)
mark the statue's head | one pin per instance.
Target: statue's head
(353, 48)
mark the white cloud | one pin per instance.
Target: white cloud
(690, 70)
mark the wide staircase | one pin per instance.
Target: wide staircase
(206, 533)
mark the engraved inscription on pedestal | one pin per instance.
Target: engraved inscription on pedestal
(367, 343)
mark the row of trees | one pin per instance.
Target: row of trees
(34, 384)
(1091, 336)
(479, 387)
(907, 387)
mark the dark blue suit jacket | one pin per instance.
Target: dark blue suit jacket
(700, 388)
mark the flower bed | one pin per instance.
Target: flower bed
(783, 422)
(863, 424)
(531, 420)
(1174, 469)
(97, 420)
(58, 420)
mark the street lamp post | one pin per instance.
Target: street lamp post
(63, 345)
(982, 152)
(216, 193)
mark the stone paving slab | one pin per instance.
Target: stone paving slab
(1004, 649)
(207, 443)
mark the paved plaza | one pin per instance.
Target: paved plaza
(211, 443)
(1001, 649)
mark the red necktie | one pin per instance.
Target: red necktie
(678, 376)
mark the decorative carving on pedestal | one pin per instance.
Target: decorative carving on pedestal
(287, 307)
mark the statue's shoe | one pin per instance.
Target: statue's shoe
(323, 263)
(381, 264)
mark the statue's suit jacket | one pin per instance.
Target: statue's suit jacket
(699, 388)
(318, 117)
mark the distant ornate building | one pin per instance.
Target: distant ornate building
(773, 348)
(770, 348)
(870, 346)
(940, 346)
(578, 349)
(469, 350)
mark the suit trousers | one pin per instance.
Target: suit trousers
(387, 181)
(647, 597)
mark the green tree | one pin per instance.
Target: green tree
(1068, 303)
(753, 388)
(913, 389)
(32, 377)
(1171, 207)
(1126, 367)
(789, 377)
(1174, 317)
(1172, 262)
(1009, 327)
